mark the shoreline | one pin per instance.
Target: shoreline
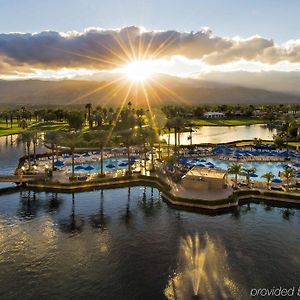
(233, 201)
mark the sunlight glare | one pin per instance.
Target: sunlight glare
(139, 70)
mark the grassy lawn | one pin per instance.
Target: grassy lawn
(39, 126)
(226, 122)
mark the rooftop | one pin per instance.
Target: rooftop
(206, 172)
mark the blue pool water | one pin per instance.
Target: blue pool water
(261, 167)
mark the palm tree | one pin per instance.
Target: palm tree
(268, 176)
(151, 138)
(235, 169)
(169, 125)
(88, 106)
(100, 138)
(288, 174)
(128, 139)
(70, 139)
(35, 138)
(26, 138)
(248, 172)
(52, 138)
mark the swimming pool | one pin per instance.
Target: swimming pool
(109, 165)
(261, 167)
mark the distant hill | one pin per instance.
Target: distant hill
(165, 90)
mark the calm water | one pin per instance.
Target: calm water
(10, 152)
(225, 134)
(124, 244)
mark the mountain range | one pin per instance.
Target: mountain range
(164, 89)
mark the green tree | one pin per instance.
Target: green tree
(52, 138)
(70, 139)
(268, 176)
(288, 174)
(248, 172)
(235, 169)
(88, 106)
(26, 138)
(98, 137)
(75, 120)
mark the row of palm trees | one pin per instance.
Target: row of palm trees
(237, 169)
(142, 137)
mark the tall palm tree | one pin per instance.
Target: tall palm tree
(169, 125)
(52, 138)
(26, 138)
(248, 172)
(35, 139)
(128, 139)
(288, 174)
(70, 139)
(268, 176)
(151, 138)
(235, 169)
(88, 106)
(100, 138)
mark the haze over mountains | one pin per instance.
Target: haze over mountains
(163, 90)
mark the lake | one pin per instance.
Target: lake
(128, 244)
(224, 134)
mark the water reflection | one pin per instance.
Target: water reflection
(149, 206)
(100, 220)
(79, 239)
(224, 134)
(73, 224)
(29, 205)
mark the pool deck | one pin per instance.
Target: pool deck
(175, 195)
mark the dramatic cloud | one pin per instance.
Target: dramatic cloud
(110, 48)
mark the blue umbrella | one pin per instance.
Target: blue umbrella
(123, 164)
(85, 155)
(277, 180)
(200, 165)
(79, 168)
(253, 175)
(59, 163)
(296, 165)
(210, 164)
(297, 175)
(202, 160)
(110, 166)
(89, 168)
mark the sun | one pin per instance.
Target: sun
(139, 70)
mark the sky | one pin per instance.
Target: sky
(226, 35)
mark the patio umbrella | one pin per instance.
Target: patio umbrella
(200, 165)
(77, 168)
(253, 175)
(277, 180)
(59, 163)
(210, 164)
(123, 164)
(89, 168)
(110, 166)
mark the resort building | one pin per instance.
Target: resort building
(214, 114)
(204, 179)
